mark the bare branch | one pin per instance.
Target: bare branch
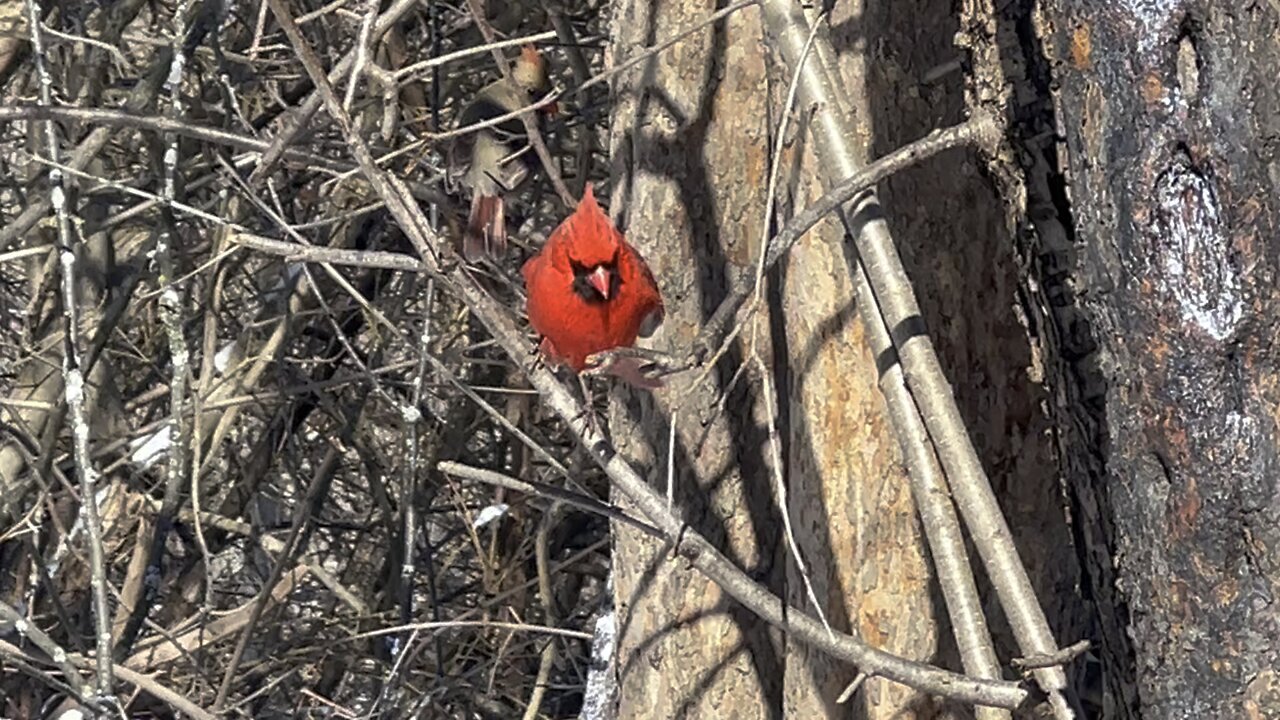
(73, 372)
(528, 487)
(1061, 657)
(896, 307)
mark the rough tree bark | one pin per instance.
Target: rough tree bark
(689, 192)
(1166, 293)
(690, 143)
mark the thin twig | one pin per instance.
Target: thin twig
(73, 372)
(585, 135)
(436, 62)
(542, 559)
(167, 695)
(363, 51)
(464, 624)
(767, 387)
(141, 96)
(170, 312)
(529, 487)
(647, 53)
(851, 688)
(409, 493)
(298, 533)
(542, 102)
(293, 251)
(27, 665)
(977, 130)
(297, 119)
(124, 119)
(1061, 657)
(40, 639)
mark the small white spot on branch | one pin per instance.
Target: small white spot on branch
(75, 386)
(410, 413)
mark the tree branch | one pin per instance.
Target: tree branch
(896, 308)
(439, 258)
(74, 371)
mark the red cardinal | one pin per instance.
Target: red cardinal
(590, 291)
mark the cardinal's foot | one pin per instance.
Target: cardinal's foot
(588, 406)
(641, 367)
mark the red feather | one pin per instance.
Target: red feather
(590, 291)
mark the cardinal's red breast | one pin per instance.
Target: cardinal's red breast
(589, 290)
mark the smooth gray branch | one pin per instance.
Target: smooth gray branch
(896, 307)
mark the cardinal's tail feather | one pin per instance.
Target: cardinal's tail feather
(486, 233)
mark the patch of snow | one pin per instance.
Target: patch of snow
(489, 514)
(1150, 16)
(150, 448)
(601, 694)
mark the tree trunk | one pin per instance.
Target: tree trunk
(691, 139)
(689, 193)
(1164, 293)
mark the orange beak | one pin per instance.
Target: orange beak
(599, 280)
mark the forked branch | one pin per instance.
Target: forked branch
(441, 261)
(895, 306)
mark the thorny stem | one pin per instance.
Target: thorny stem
(73, 375)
